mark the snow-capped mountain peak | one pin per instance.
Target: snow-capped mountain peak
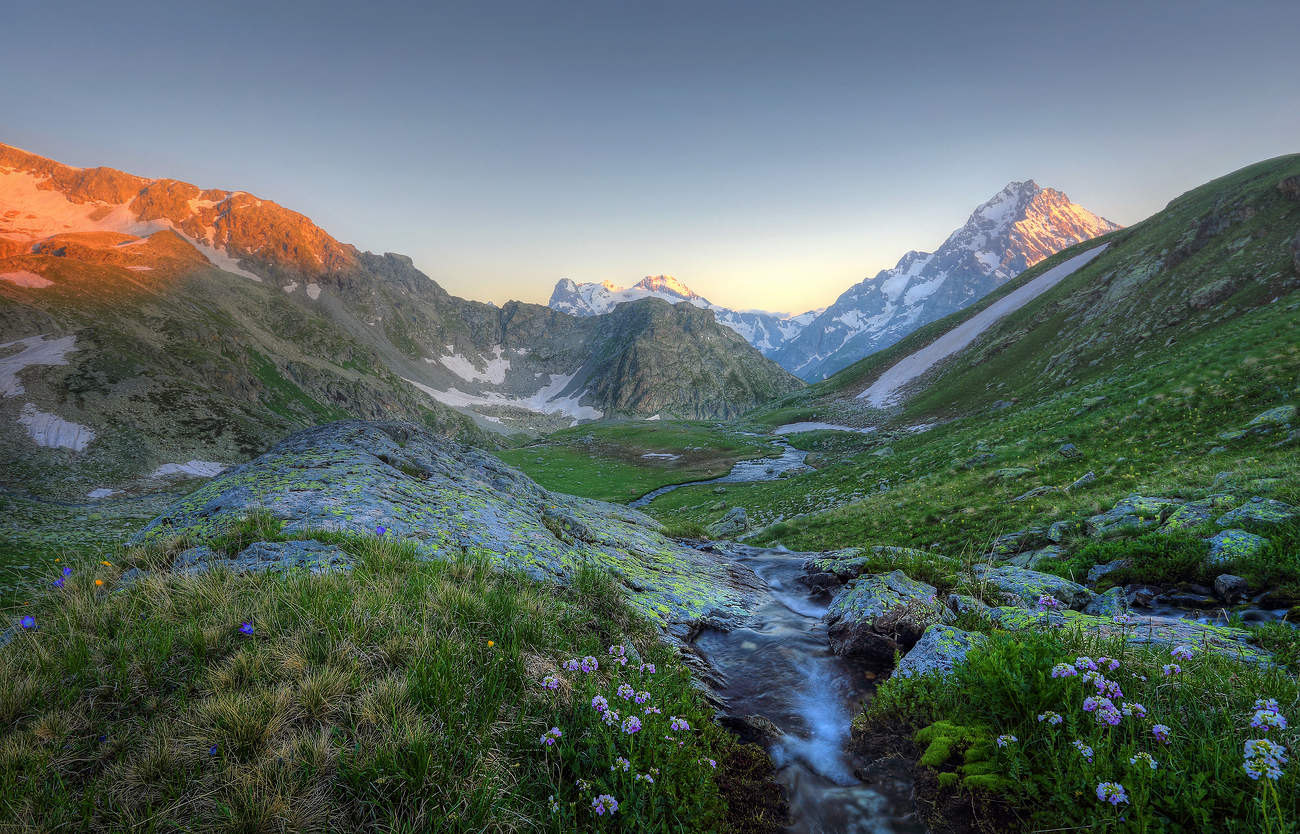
(1014, 229)
(765, 331)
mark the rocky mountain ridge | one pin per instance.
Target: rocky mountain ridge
(147, 324)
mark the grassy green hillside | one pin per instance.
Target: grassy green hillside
(608, 461)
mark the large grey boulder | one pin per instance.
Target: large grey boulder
(444, 499)
(1259, 515)
(309, 555)
(938, 652)
(876, 615)
(1026, 586)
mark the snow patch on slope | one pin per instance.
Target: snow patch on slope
(885, 389)
(194, 468)
(546, 400)
(52, 431)
(36, 350)
(23, 278)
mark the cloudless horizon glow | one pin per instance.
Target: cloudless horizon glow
(769, 155)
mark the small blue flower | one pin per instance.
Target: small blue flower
(212, 751)
(58, 583)
(380, 530)
(247, 628)
(67, 571)
(28, 622)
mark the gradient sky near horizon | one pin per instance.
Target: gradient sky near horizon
(767, 154)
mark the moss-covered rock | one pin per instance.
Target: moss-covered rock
(1229, 546)
(938, 651)
(875, 616)
(401, 480)
(1260, 515)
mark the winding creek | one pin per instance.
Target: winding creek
(779, 666)
(746, 471)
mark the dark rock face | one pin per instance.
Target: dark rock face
(1290, 188)
(447, 498)
(938, 652)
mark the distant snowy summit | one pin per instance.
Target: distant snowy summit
(1021, 225)
(765, 331)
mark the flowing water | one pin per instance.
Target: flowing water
(781, 668)
(746, 471)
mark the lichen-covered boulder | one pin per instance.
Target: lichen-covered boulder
(1034, 559)
(1229, 546)
(852, 562)
(1059, 531)
(309, 555)
(445, 499)
(1027, 586)
(1259, 515)
(1133, 511)
(1196, 513)
(967, 604)
(938, 652)
(1096, 572)
(879, 614)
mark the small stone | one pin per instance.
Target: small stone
(1069, 451)
(734, 522)
(1059, 531)
(883, 452)
(1085, 479)
(1275, 418)
(1231, 588)
(1036, 492)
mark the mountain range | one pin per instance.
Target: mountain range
(1018, 227)
(765, 331)
(152, 328)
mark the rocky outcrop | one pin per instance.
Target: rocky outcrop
(1230, 546)
(875, 616)
(1140, 630)
(1260, 515)
(276, 557)
(445, 499)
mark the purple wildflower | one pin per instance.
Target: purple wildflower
(590, 664)
(1161, 732)
(1082, 663)
(642, 697)
(1112, 792)
(626, 692)
(1110, 663)
(631, 724)
(652, 711)
(1171, 669)
(1050, 717)
(1090, 703)
(1005, 739)
(572, 665)
(1047, 602)
(551, 736)
(1064, 670)
(1181, 653)
(1267, 703)
(604, 803)
(1134, 709)
(620, 764)
(1267, 719)
(1084, 750)
(599, 704)
(677, 725)
(550, 682)
(647, 668)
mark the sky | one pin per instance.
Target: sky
(767, 154)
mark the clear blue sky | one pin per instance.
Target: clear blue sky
(768, 154)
